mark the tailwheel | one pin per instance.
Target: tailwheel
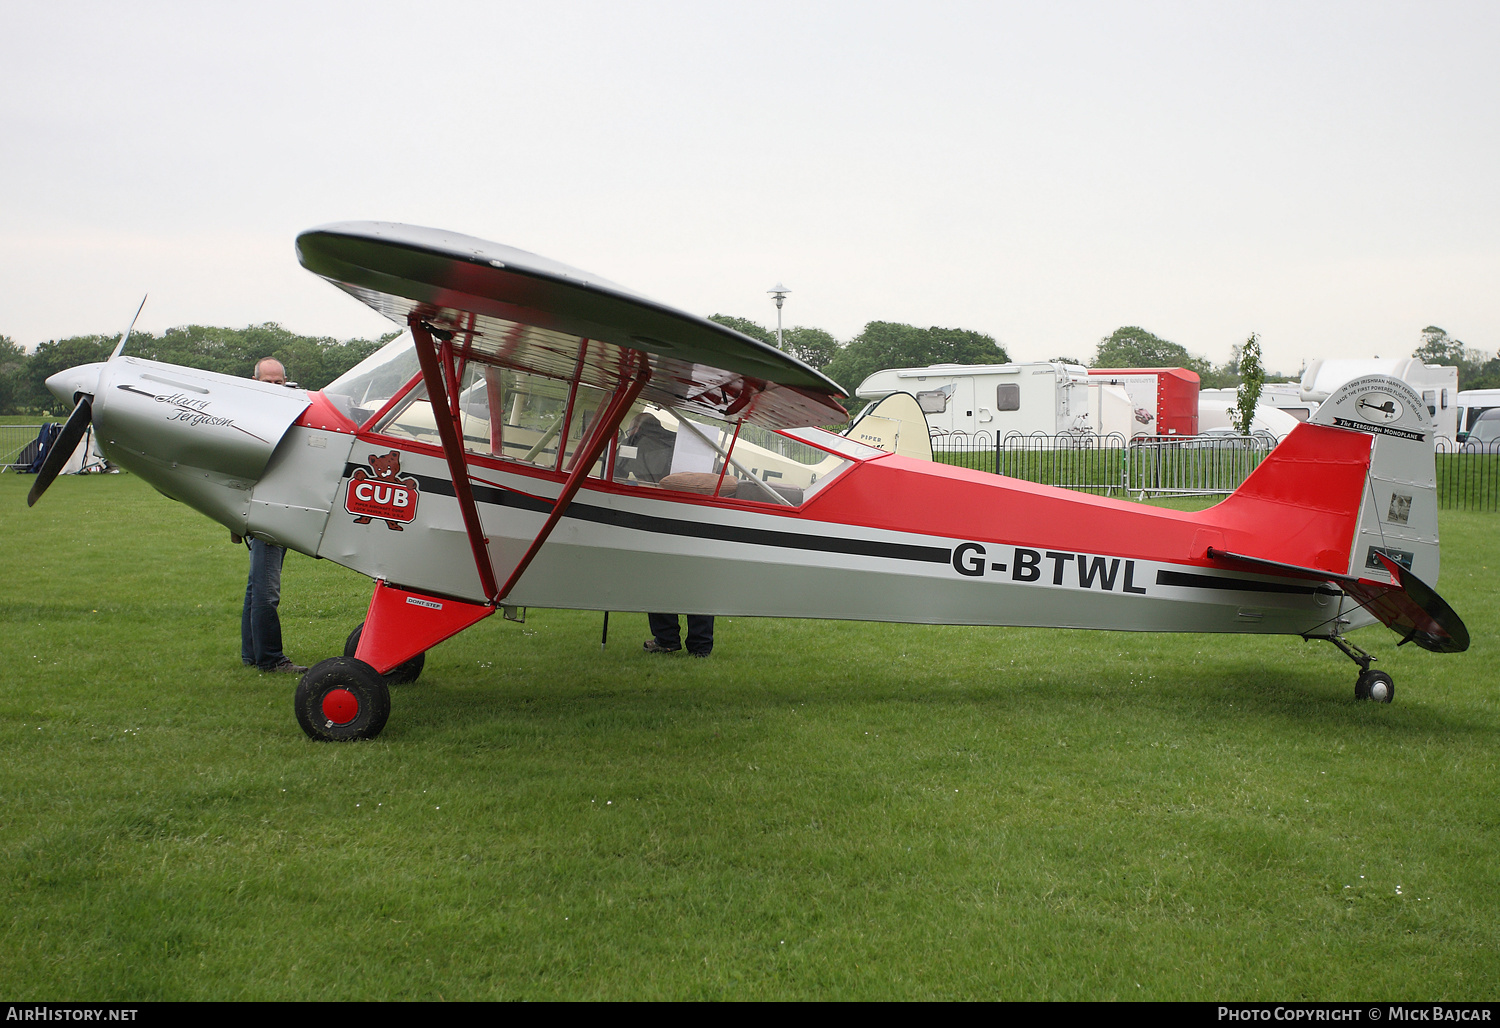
(1371, 684)
(1375, 685)
(407, 671)
(341, 699)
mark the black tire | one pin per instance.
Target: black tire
(1375, 685)
(401, 674)
(342, 699)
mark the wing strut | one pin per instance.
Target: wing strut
(631, 384)
(433, 373)
(437, 372)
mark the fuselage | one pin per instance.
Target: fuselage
(881, 537)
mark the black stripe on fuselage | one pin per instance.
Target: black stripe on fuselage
(693, 529)
(1185, 580)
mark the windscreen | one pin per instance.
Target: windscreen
(365, 388)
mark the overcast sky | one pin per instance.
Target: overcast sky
(1325, 174)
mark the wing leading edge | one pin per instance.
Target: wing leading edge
(514, 309)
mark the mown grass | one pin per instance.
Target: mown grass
(822, 809)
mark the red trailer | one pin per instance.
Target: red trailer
(1165, 399)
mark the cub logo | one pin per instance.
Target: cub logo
(387, 494)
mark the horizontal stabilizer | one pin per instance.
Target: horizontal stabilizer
(1406, 605)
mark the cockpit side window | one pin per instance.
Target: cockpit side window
(669, 449)
(507, 414)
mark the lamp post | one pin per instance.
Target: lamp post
(778, 293)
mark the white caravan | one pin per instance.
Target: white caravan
(987, 402)
(1437, 384)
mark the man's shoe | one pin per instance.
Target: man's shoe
(652, 646)
(703, 654)
(286, 667)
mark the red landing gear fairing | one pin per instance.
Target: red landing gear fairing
(541, 437)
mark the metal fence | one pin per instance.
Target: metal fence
(14, 440)
(1467, 480)
(1209, 465)
(1203, 465)
(1086, 462)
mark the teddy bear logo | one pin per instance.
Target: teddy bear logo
(386, 494)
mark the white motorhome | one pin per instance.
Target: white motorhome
(1437, 384)
(987, 402)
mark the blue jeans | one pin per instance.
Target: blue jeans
(260, 625)
(668, 632)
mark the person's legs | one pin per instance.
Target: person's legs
(247, 637)
(700, 635)
(264, 597)
(666, 632)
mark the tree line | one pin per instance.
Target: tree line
(885, 344)
(313, 362)
(310, 361)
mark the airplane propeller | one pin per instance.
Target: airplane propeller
(78, 422)
(63, 446)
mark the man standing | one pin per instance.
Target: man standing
(260, 624)
(666, 632)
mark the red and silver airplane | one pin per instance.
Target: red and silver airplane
(544, 438)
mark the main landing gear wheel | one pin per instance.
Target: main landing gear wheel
(398, 675)
(1375, 685)
(341, 699)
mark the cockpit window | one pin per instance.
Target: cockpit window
(368, 386)
(509, 414)
(701, 454)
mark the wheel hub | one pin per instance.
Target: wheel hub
(340, 706)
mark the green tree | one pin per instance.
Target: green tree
(1438, 347)
(1252, 377)
(1131, 346)
(888, 344)
(1476, 368)
(809, 345)
(12, 364)
(310, 361)
(745, 326)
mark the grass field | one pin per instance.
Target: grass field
(822, 809)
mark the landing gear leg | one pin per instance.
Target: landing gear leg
(1371, 684)
(398, 675)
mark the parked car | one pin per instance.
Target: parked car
(1484, 437)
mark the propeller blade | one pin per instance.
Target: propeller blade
(62, 448)
(125, 338)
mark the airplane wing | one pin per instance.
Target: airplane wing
(1406, 605)
(515, 309)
